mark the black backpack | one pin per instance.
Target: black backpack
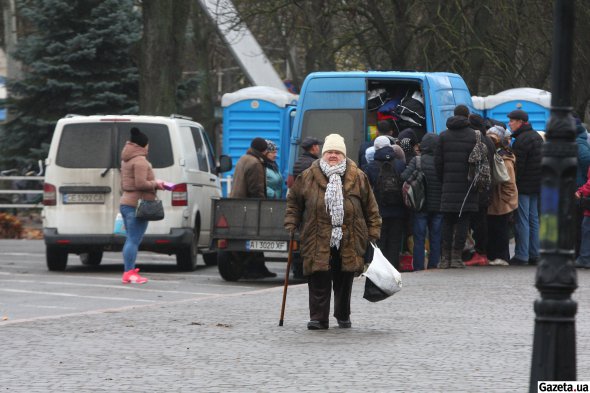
(388, 189)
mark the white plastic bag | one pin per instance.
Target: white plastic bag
(119, 226)
(382, 275)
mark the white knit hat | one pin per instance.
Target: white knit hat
(334, 142)
(381, 142)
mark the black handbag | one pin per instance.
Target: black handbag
(150, 210)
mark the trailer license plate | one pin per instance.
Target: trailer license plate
(84, 198)
(266, 245)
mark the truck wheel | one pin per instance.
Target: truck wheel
(57, 259)
(92, 258)
(230, 267)
(210, 258)
(186, 257)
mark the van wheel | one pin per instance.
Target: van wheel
(57, 259)
(92, 258)
(186, 257)
(230, 266)
(210, 258)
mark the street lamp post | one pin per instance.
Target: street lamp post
(554, 346)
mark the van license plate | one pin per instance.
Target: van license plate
(266, 245)
(84, 198)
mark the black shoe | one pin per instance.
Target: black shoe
(268, 273)
(514, 261)
(317, 325)
(533, 261)
(344, 324)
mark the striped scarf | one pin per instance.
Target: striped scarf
(334, 198)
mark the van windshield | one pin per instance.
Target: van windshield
(347, 122)
(99, 145)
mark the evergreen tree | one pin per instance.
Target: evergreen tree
(76, 60)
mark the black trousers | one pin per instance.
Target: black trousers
(479, 225)
(390, 243)
(454, 232)
(320, 291)
(498, 242)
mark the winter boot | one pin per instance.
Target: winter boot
(456, 261)
(445, 260)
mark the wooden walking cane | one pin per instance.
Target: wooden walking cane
(289, 259)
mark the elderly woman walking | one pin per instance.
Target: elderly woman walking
(335, 211)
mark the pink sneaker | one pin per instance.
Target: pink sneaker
(132, 277)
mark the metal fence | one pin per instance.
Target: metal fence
(13, 197)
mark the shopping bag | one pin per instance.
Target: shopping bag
(120, 226)
(382, 279)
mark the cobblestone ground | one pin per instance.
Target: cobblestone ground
(446, 331)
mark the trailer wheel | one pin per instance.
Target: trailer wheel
(230, 266)
(92, 258)
(57, 259)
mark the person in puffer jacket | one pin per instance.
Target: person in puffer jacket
(137, 182)
(458, 199)
(430, 219)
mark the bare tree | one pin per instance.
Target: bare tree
(162, 50)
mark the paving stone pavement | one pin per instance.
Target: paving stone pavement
(447, 331)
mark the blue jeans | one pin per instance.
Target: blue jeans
(136, 228)
(432, 222)
(584, 257)
(526, 227)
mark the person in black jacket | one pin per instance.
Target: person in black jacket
(527, 149)
(392, 211)
(311, 152)
(430, 219)
(458, 199)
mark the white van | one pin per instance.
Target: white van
(83, 186)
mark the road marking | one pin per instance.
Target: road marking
(127, 308)
(122, 286)
(64, 294)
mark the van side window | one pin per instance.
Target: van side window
(211, 155)
(85, 145)
(200, 148)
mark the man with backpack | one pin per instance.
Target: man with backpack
(527, 149)
(384, 176)
(459, 196)
(429, 218)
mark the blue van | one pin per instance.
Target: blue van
(344, 103)
(257, 111)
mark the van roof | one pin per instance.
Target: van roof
(380, 74)
(123, 118)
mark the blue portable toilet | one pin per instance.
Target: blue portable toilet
(536, 102)
(257, 111)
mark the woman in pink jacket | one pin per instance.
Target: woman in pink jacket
(583, 193)
(137, 182)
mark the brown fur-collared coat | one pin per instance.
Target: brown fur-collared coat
(306, 210)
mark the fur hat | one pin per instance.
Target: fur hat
(259, 144)
(334, 142)
(461, 110)
(519, 114)
(381, 142)
(310, 141)
(138, 137)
